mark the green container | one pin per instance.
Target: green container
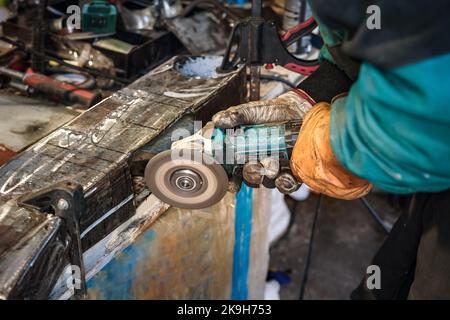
(99, 17)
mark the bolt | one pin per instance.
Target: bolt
(63, 204)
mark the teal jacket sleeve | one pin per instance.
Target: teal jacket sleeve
(393, 127)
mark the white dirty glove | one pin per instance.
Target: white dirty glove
(287, 107)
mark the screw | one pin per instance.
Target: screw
(63, 204)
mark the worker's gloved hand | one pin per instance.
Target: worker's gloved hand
(313, 160)
(287, 107)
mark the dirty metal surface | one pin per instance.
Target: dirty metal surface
(202, 33)
(95, 150)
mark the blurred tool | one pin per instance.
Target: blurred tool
(79, 80)
(203, 32)
(115, 45)
(20, 86)
(54, 89)
(6, 49)
(99, 16)
(89, 64)
(137, 19)
(5, 13)
(170, 8)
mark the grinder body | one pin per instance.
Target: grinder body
(195, 173)
(236, 147)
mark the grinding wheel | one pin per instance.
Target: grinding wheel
(194, 181)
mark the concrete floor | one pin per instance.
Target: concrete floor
(346, 238)
(25, 120)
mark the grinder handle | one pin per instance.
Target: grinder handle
(291, 132)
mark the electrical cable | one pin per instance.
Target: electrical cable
(276, 78)
(279, 79)
(386, 226)
(310, 249)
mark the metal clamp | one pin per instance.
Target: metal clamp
(66, 201)
(256, 42)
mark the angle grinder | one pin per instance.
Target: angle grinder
(196, 171)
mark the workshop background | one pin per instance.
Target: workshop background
(88, 99)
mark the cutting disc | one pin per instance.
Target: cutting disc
(191, 180)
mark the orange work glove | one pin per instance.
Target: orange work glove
(314, 163)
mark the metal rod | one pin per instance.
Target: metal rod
(385, 225)
(21, 87)
(13, 74)
(257, 8)
(38, 37)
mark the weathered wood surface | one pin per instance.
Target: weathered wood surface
(96, 150)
